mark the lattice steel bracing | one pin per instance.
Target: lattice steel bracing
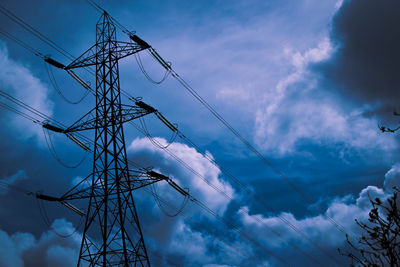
(112, 235)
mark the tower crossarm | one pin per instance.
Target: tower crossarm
(89, 121)
(119, 50)
(135, 180)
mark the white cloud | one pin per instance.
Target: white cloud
(296, 109)
(231, 62)
(392, 177)
(153, 156)
(338, 4)
(18, 80)
(175, 236)
(343, 211)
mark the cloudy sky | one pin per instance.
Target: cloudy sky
(306, 82)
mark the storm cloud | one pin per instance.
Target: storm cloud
(365, 65)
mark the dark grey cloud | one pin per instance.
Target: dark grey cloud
(365, 66)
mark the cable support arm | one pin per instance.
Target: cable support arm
(170, 182)
(60, 200)
(120, 50)
(160, 60)
(54, 63)
(90, 122)
(74, 139)
(139, 41)
(136, 179)
(158, 114)
(59, 65)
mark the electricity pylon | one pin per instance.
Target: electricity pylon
(112, 235)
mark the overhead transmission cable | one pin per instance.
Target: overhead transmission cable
(120, 26)
(22, 44)
(49, 42)
(50, 74)
(40, 118)
(252, 148)
(168, 67)
(238, 206)
(49, 70)
(44, 215)
(199, 203)
(154, 141)
(237, 229)
(41, 208)
(141, 67)
(43, 116)
(36, 33)
(50, 145)
(200, 225)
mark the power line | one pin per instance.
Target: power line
(194, 94)
(174, 74)
(237, 205)
(168, 67)
(35, 32)
(199, 203)
(246, 143)
(22, 44)
(53, 82)
(220, 238)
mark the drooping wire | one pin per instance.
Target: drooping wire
(152, 139)
(44, 215)
(46, 220)
(37, 34)
(128, 31)
(40, 207)
(37, 113)
(252, 148)
(44, 117)
(247, 190)
(223, 121)
(141, 67)
(46, 135)
(158, 202)
(159, 145)
(53, 82)
(49, 69)
(53, 152)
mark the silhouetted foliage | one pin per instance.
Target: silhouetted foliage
(379, 244)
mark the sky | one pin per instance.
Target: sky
(306, 82)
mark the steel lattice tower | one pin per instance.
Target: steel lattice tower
(112, 235)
